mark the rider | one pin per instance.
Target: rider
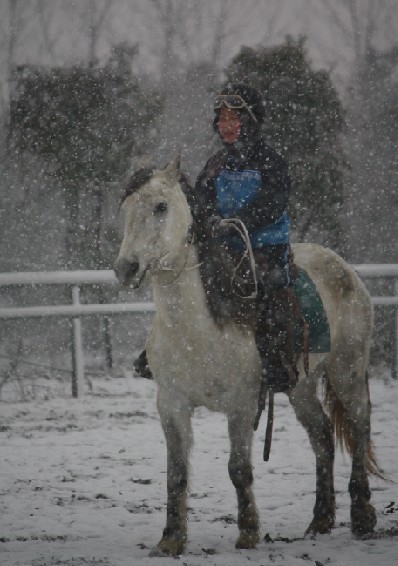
(249, 181)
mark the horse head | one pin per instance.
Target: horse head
(157, 225)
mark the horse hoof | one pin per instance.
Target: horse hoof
(167, 547)
(363, 519)
(248, 540)
(320, 526)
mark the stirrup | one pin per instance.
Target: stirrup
(141, 366)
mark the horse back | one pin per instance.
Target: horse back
(346, 301)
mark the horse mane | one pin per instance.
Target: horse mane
(217, 266)
(137, 179)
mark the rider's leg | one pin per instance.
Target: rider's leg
(275, 335)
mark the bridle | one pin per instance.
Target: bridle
(189, 241)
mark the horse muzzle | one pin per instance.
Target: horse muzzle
(128, 273)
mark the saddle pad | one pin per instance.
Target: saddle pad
(314, 313)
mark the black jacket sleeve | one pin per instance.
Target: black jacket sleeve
(205, 199)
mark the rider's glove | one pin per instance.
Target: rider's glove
(218, 228)
(213, 222)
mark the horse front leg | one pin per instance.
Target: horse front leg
(240, 472)
(310, 414)
(176, 422)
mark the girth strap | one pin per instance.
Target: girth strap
(270, 424)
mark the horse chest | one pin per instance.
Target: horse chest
(206, 365)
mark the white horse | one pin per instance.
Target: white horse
(196, 361)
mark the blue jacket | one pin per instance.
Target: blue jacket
(253, 186)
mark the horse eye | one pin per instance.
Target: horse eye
(160, 208)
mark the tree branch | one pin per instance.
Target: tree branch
(44, 20)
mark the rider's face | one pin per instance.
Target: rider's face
(229, 125)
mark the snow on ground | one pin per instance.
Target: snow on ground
(83, 482)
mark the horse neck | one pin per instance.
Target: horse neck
(183, 301)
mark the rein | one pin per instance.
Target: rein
(240, 227)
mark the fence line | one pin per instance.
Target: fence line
(76, 310)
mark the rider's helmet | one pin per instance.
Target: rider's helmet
(243, 100)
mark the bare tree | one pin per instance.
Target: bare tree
(10, 44)
(45, 14)
(97, 11)
(26, 33)
(367, 29)
(189, 31)
(360, 25)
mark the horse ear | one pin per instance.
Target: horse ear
(144, 162)
(172, 169)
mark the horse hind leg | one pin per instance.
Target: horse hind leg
(177, 428)
(240, 472)
(351, 420)
(310, 414)
(363, 514)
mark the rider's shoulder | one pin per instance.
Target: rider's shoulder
(213, 164)
(267, 155)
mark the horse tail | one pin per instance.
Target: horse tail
(343, 432)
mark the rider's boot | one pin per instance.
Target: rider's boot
(275, 339)
(141, 366)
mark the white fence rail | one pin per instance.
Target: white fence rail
(76, 310)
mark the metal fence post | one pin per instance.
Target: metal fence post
(395, 338)
(77, 346)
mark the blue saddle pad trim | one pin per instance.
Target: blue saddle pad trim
(314, 313)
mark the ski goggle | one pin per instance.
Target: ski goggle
(233, 102)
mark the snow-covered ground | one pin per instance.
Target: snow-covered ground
(83, 482)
